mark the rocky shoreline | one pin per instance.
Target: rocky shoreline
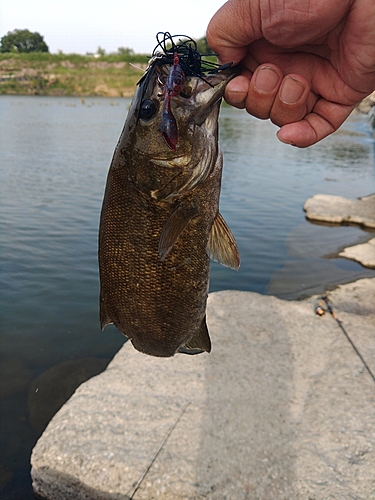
(339, 210)
(281, 408)
(69, 76)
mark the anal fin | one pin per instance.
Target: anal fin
(199, 343)
(222, 246)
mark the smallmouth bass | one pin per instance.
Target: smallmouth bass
(160, 218)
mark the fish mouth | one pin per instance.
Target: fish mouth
(196, 106)
(205, 100)
(166, 173)
(204, 127)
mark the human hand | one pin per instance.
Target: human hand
(305, 64)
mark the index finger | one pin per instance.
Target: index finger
(229, 31)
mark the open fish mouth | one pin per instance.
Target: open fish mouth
(192, 115)
(179, 86)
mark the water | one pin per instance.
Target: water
(54, 157)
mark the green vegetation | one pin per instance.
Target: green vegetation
(41, 73)
(28, 68)
(23, 41)
(202, 46)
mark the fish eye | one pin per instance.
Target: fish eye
(148, 109)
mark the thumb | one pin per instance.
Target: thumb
(228, 34)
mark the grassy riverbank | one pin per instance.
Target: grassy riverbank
(70, 74)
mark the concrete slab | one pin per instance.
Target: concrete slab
(364, 253)
(339, 210)
(282, 408)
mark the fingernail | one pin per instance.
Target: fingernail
(236, 91)
(236, 86)
(266, 80)
(291, 90)
(285, 141)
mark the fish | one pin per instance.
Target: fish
(160, 222)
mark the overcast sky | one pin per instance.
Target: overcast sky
(82, 25)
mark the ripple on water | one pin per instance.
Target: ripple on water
(54, 158)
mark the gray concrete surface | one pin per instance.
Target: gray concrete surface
(336, 209)
(364, 253)
(282, 409)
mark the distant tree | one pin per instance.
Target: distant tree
(203, 46)
(125, 51)
(23, 41)
(100, 51)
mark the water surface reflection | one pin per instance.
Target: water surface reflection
(54, 157)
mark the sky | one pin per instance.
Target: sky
(81, 26)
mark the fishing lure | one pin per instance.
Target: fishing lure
(172, 88)
(185, 61)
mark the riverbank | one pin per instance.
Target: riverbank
(281, 408)
(70, 74)
(113, 75)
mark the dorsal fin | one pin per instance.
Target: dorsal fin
(222, 246)
(173, 227)
(199, 343)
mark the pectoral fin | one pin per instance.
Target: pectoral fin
(199, 343)
(222, 246)
(173, 227)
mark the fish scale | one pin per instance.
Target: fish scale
(145, 297)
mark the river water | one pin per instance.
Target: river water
(54, 157)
